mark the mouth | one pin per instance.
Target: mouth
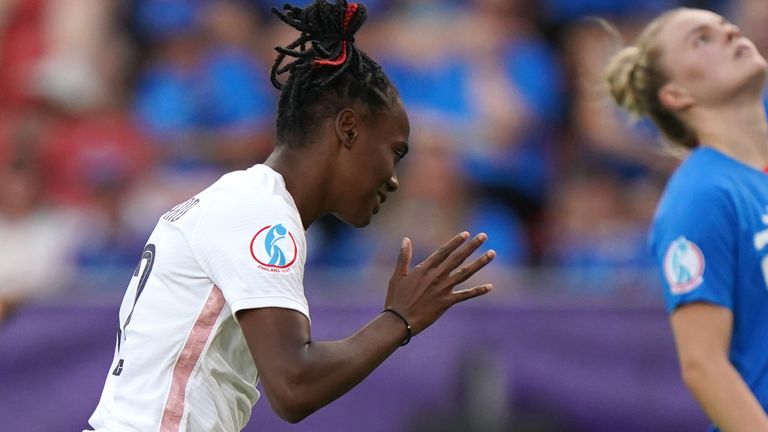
(382, 197)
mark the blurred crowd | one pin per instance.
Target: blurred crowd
(112, 112)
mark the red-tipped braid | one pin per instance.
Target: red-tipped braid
(348, 15)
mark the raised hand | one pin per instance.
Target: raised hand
(423, 294)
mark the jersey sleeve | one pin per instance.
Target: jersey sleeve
(694, 244)
(252, 250)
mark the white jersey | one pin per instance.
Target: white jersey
(181, 361)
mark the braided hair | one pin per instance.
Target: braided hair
(326, 71)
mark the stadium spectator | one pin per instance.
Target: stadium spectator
(444, 201)
(22, 44)
(490, 75)
(202, 98)
(600, 133)
(597, 234)
(36, 259)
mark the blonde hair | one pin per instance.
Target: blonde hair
(635, 75)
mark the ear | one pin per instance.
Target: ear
(675, 98)
(346, 126)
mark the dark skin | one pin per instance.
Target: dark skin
(348, 170)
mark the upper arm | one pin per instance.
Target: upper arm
(273, 332)
(702, 332)
(277, 339)
(695, 249)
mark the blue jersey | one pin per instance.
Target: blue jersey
(710, 238)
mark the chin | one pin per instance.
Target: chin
(357, 221)
(763, 72)
(360, 222)
(755, 81)
(749, 83)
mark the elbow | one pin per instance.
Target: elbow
(289, 405)
(697, 369)
(292, 414)
(692, 373)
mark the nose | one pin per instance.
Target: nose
(732, 32)
(392, 184)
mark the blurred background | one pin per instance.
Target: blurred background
(112, 112)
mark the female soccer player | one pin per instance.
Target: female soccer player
(217, 300)
(701, 82)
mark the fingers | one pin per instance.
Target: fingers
(458, 256)
(466, 272)
(470, 293)
(439, 255)
(404, 258)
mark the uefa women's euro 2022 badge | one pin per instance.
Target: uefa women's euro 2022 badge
(683, 266)
(274, 249)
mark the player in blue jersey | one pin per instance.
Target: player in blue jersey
(701, 82)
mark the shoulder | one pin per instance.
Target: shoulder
(701, 183)
(698, 208)
(698, 201)
(245, 205)
(255, 191)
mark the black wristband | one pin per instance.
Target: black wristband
(405, 321)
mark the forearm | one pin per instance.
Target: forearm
(300, 376)
(724, 395)
(327, 370)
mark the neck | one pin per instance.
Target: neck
(303, 180)
(738, 130)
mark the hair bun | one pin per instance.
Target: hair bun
(323, 21)
(327, 33)
(325, 70)
(329, 29)
(620, 74)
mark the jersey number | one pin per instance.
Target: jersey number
(147, 259)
